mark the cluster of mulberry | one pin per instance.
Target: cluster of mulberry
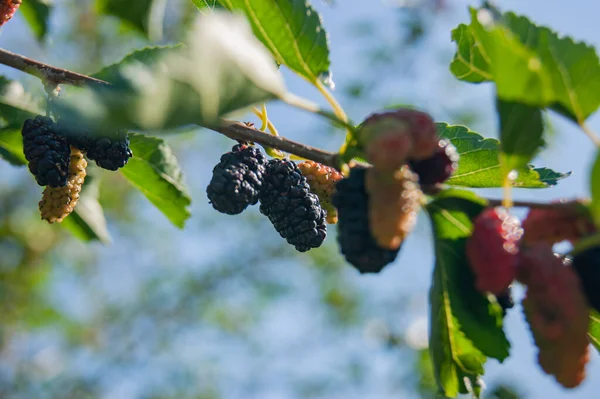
(244, 176)
(560, 290)
(55, 155)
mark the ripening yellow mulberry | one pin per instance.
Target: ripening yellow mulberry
(57, 203)
(321, 180)
(394, 201)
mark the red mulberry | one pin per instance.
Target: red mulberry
(492, 250)
(557, 312)
(8, 9)
(571, 221)
(439, 167)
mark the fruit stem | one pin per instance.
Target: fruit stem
(590, 134)
(309, 106)
(337, 109)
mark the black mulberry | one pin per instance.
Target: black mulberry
(505, 300)
(237, 179)
(439, 167)
(109, 151)
(357, 244)
(288, 203)
(47, 151)
(587, 265)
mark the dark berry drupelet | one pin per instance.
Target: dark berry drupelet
(47, 151)
(439, 167)
(354, 236)
(288, 203)
(110, 151)
(237, 179)
(587, 265)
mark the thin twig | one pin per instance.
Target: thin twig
(47, 73)
(528, 204)
(235, 130)
(238, 131)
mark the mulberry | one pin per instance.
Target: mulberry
(394, 201)
(58, 203)
(110, 152)
(356, 242)
(557, 313)
(587, 266)
(393, 137)
(322, 180)
(492, 250)
(8, 9)
(439, 167)
(571, 221)
(237, 179)
(295, 212)
(46, 150)
(505, 300)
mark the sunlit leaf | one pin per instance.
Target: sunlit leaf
(479, 164)
(222, 69)
(530, 64)
(292, 30)
(11, 146)
(521, 129)
(594, 329)
(595, 189)
(37, 14)
(465, 326)
(155, 172)
(16, 105)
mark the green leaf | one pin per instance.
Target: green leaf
(595, 189)
(479, 162)
(530, 64)
(223, 69)
(11, 146)
(149, 56)
(15, 104)
(594, 329)
(155, 172)
(465, 326)
(521, 129)
(37, 13)
(136, 14)
(207, 5)
(292, 30)
(87, 222)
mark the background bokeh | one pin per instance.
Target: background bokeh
(224, 308)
